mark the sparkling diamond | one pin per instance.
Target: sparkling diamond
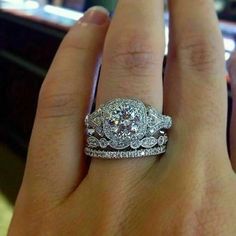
(118, 144)
(161, 140)
(135, 144)
(125, 120)
(154, 117)
(149, 142)
(103, 143)
(99, 130)
(93, 142)
(151, 121)
(97, 121)
(90, 131)
(152, 131)
(157, 121)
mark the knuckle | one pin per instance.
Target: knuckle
(56, 105)
(136, 54)
(200, 54)
(72, 44)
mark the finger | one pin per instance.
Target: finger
(195, 89)
(233, 128)
(132, 68)
(55, 162)
(232, 74)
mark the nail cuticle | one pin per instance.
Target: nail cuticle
(95, 15)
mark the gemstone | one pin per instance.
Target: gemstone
(93, 142)
(157, 121)
(99, 130)
(135, 144)
(152, 131)
(154, 117)
(94, 121)
(149, 142)
(161, 140)
(151, 121)
(118, 145)
(97, 121)
(90, 131)
(103, 143)
(125, 120)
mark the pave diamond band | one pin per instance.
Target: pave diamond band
(126, 128)
(125, 154)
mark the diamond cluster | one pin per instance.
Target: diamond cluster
(126, 125)
(124, 120)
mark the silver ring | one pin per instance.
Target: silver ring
(126, 128)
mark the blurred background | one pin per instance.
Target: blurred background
(27, 28)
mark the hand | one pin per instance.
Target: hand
(192, 189)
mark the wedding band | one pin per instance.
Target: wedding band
(126, 128)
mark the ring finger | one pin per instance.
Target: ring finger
(132, 68)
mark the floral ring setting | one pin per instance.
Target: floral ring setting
(126, 128)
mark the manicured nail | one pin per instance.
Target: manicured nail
(95, 15)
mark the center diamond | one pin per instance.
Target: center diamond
(125, 120)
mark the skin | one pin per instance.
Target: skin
(191, 190)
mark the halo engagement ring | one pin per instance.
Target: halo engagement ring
(126, 128)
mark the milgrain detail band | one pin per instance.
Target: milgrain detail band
(147, 142)
(126, 128)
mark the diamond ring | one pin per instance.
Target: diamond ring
(126, 128)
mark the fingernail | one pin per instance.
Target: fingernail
(95, 15)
